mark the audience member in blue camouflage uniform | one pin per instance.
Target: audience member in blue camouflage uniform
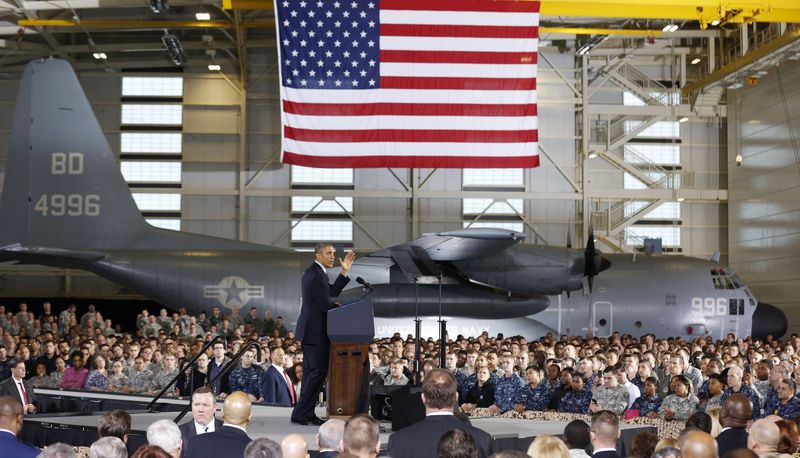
(506, 387)
(648, 403)
(247, 378)
(771, 400)
(682, 403)
(461, 379)
(563, 387)
(473, 379)
(578, 399)
(735, 385)
(789, 406)
(714, 366)
(716, 387)
(586, 370)
(645, 371)
(534, 395)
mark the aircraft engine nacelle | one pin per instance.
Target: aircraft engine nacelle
(528, 270)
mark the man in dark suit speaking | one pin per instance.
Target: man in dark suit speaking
(19, 388)
(421, 440)
(312, 327)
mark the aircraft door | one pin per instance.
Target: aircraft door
(602, 318)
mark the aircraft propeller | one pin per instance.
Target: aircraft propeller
(593, 260)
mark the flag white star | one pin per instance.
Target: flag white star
(346, 14)
(286, 23)
(320, 63)
(354, 63)
(363, 54)
(328, 14)
(346, 34)
(363, 34)
(295, 72)
(346, 54)
(285, 42)
(294, 33)
(303, 4)
(288, 62)
(303, 23)
(312, 33)
(320, 43)
(328, 34)
(338, 83)
(329, 73)
(371, 63)
(303, 43)
(319, 4)
(303, 63)
(372, 82)
(347, 73)
(371, 5)
(311, 13)
(355, 44)
(303, 82)
(312, 73)
(328, 54)
(288, 81)
(363, 73)
(337, 43)
(294, 53)
(371, 23)
(354, 5)
(312, 53)
(336, 4)
(371, 43)
(355, 82)
(354, 24)
(293, 13)
(337, 64)
(319, 23)
(321, 82)
(363, 14)
(337, 24)
(286, 4)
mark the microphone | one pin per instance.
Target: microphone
(364, 283)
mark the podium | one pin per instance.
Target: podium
(351, 328)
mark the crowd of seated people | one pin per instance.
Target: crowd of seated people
(671, 379)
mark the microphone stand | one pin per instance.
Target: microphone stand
(442, 329)
(417, 332)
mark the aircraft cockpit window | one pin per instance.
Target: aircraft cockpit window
(718, 283)
(728, 283)
(736, 307)
(737, 281)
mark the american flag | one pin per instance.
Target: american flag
(408, 83)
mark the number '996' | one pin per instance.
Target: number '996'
(68, 205)
(709, 306)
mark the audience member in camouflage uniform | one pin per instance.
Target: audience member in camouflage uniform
(118, 381)
(141, 379)
(247, 378)
(578, 399)
(506, 387)
(771, 399)
(714, 366)
(534, 395)
(716, 386)
(165, 374)
(610, 395)
(681, 404)
(645, 371)
(735, 385)
(648, 403)
(789, 406)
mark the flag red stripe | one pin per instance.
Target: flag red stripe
(460, 57)
(482, 84)
(411, 161)
(507, 6)
(464, 31)
(407, 109)
(406, 135)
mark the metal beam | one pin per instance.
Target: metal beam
(773, 46)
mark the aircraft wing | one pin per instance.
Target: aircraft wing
(421, 257)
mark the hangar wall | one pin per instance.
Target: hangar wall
(227, 197)
(764, 201)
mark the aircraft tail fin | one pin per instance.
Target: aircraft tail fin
(63, 187)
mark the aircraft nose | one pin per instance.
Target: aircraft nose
(768, 319)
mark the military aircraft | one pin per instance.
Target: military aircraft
(66, 204)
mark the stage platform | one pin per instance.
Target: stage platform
(79, 428)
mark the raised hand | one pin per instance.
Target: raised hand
(347, 262)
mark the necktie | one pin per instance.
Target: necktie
(24, 393)
(205, 430)
(291, 388)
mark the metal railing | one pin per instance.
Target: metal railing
(181, 371)
(225, 369)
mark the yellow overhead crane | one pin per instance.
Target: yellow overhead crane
(703, 11)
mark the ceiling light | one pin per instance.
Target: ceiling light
(214, 67)
(715, 22)
(681, 199)
(735, 85)
(203, 16)
(100, 55)
(683, 119)
(175, 49)
(159, 6)
(762, 72)
(593, 155)
(696, 61)
(670, 28)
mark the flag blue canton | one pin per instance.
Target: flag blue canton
(329, 45)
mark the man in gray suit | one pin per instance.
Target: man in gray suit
(204, 404)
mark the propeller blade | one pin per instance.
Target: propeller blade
(569, 233)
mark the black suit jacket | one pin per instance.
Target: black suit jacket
(274, 388)
(328, 454)
(312, 326)
(731, 439)
(606, 454)
(421, 439)
(8, 388)
(188, 430)
(225, 441)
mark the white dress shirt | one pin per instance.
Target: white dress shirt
(209, 428)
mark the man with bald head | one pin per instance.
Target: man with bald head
(11, 416)
(294, 446)
(764, 438)
(736, 412)
(229, 440)
(694, 443)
